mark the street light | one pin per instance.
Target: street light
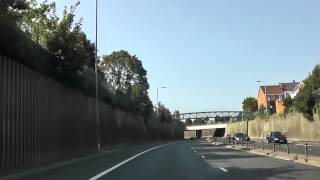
(158, 98)
(96, 76)
(265, 91)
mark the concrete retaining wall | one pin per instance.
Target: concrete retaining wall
(236, 127)
(294, 126)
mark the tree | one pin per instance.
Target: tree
(262, 111)
(10, 10)
(176, 114)
(287, 102)
(39, 20)
(75, 53)
(164, 114)
(126, 75)
(272, 107)
(198, 121)
(206, 120)
(123, 71)
(250, 104)
(307, 99)
(188, 122)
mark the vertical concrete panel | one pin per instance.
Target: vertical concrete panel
(10, 122)
(3, 105)
(17, 115)
(34, 116)
(24, 116)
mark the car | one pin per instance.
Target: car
(240, 137)
(246, 137)
(228, 136)
(276, 137)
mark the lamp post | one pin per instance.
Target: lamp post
(96, 77)
(265, 91)
(158, 98)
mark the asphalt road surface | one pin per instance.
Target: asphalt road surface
(181, 160)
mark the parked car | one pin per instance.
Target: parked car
(240, 137)
(276, 137)
(228, 136)
(246, 137)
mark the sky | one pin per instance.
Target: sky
(208, 53)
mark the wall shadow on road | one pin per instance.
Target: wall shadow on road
(213, 156)
(288, 172)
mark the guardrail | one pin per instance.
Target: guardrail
(289, 148)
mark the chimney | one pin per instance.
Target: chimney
(294, 81)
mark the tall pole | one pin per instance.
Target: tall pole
(157, 101)
(265, 90)
(242, 122)
(97, 93)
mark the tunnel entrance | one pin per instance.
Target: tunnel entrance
(219, 132)
(198, 134)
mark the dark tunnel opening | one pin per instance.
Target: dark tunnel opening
(219, 132)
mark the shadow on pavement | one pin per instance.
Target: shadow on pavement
(287, 172)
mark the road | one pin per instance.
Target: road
(313, 149)
(181, 160)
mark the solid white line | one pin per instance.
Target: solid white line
(223, 169)
(124, 162)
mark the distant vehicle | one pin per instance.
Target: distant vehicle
(240, 137)
(246, 137)
(276, 137)
(228, 136)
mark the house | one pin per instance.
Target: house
(291, 89)
(277, 93)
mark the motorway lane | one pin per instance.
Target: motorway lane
(244, 165)
(175, 161)
(88, 168)
(184, 160)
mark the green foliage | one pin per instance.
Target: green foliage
(188, 122)
(74, 52)
(10, 11)
(125, 76)
(176, 114)
(307, 99)
(250, 104)
(39, 21)
(262, 112)
(199, 121)
(206, 120)
(272, 107)
(287, 102)
(164, 114)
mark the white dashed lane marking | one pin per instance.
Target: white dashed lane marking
(223, 169)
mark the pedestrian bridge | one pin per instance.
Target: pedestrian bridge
(215, 116)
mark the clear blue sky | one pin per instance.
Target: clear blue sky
(209, 53)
